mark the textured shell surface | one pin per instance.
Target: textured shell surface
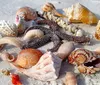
(7, 28)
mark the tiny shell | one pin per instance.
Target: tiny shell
(8, 29)
(79, 33)
(27, 13)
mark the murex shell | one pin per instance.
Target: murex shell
(7, 28)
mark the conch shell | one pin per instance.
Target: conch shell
(47, 68)
(8, 29)
(97, 33)
(86, 61)
(49, 7)
(26, 13)
(79, 13)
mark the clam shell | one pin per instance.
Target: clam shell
(7, 28)
(27, 13)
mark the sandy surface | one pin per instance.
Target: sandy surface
(7, 12)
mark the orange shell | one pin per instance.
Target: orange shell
(27, 12)
(28, 58)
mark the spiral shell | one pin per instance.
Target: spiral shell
(27, 13)
(7, 28)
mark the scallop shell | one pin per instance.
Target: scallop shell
(7, 28)
(27, 13)
(79, 13)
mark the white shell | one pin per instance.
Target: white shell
(7, 28)
(79, 33)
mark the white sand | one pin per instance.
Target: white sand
(7, 12)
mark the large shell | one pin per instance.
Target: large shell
(7, 28)
(27, 13)
(79, 13)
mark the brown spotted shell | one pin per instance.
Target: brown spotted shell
(27, 13)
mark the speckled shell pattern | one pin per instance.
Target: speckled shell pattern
(8, 29)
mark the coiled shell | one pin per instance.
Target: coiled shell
(27, 13)
(8, 29)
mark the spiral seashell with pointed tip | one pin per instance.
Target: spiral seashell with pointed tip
(49, 7)
(8, 29)
(79, 13)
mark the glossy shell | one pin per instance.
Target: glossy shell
(7, 28)
(27, 13)
(28, 58)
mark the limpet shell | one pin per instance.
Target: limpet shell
(8, 29)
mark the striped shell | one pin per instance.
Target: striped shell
(79, 13)
(80, 56)
(7, 28)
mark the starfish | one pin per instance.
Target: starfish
(54, 34)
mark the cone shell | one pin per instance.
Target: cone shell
(79, 13)
(97, 33)
(7, 28)
(27, 13)
(28, 58)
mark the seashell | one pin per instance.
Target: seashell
(80, 56)
(65, 49)
(8, 29)
(7, 57)
(66, 27)
(80, 32)
(70, 79)
(97, 33)
(28, 58)
(26, 13)
(85, 60)
(12, 41)
(79, 13)
(49, 7)
(33, 34)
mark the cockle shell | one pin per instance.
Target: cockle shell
(8, 29)
(27, 13)
(79, 13)
(97, 33)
